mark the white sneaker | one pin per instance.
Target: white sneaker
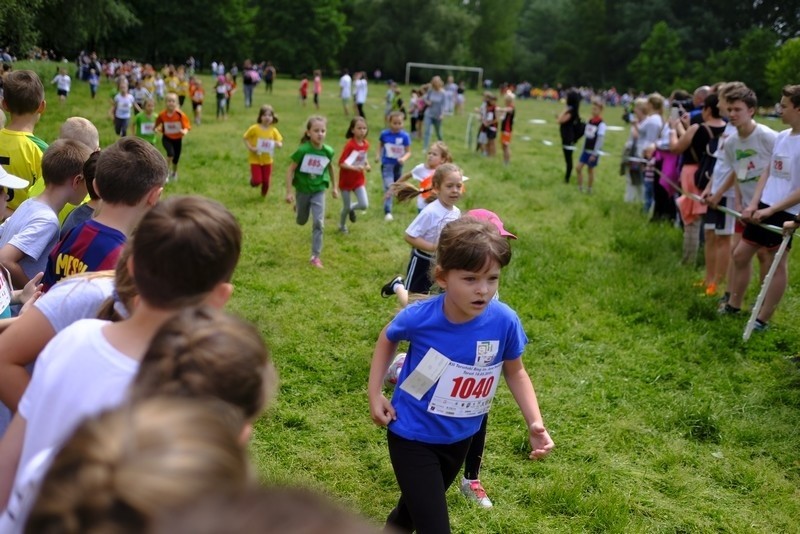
(473, 491)
(390, 378)
(388, 217)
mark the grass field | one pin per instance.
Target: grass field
(664, 421)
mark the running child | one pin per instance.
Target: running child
(63, 83)
(438, 153)
(352, 164)
(174, 125)
(394, 150)
(122, 105)
(423, 232)
(593, 142)
(311, 173)
(146, 122)
(489, 125)
(221, 88)
(94, 82)
(317, 87)
(261, 139)
(197, 95)
(507, 125)
(304, 90)
(469, 338)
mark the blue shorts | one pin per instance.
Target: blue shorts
(586, 161)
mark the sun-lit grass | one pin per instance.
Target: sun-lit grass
(664, 420)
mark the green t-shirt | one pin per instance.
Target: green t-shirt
(312, 174)
(146, 127)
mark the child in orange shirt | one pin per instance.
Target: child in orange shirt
(174, 124)
(197, 95)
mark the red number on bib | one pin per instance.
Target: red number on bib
(466, 388)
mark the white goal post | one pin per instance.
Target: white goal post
(410, 64)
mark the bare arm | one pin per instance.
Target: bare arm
(421, 244)
(20, 344)
(522, 389)
(289, 178)
(10, 256)
(381, 410)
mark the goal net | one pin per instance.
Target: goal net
(423, 72)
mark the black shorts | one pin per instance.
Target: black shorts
(719, 221)
(196, 105)
(761, 237)
(173, 148)
(417, 277)
(491, 133)
(62, 92)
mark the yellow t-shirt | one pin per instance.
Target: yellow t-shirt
(264, 139)
(21, 155)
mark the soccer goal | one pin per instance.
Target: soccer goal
(448, 69)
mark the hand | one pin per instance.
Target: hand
(760, 215)
(381, 411)
(789, 227)
(31, 288)
(592, 158)
(711, 200)
(335, 192)
(541, 442)
(289, 198)
(747, 214)
(367, 166)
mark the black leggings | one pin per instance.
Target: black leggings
(472, 463)
(424, 471)
(568, 161)
(173, 148)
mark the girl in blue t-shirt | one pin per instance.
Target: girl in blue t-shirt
(459, 344)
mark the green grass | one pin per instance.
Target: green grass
(664, 421)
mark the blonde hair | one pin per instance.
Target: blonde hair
(202, 352)
(82, 130)
(444, 150)
(122, 468)
(120, 304)
(311, 120)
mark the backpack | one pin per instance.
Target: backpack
(578, 129)
(706, 161)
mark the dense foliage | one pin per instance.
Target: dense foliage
(582, 42)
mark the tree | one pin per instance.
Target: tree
(90, 22)
(301, 35)
(660, 62)
(782, 68)
(18, 21)
(746, 62)
(493, 40)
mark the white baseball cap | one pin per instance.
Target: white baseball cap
(10, 181)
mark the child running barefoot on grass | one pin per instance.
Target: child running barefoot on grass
(311, 173)
(438, 153)
(352, 164)
(261, 139)
(423, 232)
(459, 343)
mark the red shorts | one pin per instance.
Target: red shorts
(505, 138)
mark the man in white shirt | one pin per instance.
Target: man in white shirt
(346, 90)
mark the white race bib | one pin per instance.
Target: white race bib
(314, 164)
(394, 151)
(591, 131)
(266, 146)
(148, 128)
(465, 390)
(781, 167)
(357, 158)
(172, 127)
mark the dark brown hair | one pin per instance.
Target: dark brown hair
(406, 191)
(202, 352)
(184, 246)
(89, 170)
(741, 93)
(792, 92)
(468, 244)
(128, 170)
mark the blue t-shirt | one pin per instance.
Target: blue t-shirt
(394, 145)
(485, 341)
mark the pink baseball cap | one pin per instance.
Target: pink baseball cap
(491, 217)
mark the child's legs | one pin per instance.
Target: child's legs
(387, 174)
(177, 147)
(423, 472)
(590, 172)
(317, 222)
(169, 148)
(346, 207)
(361, 197)
(648, 195)
(248, 95)
(691, 242)
(740, 272)
(472, 463)
(303, 207)
(579, 173)
(710, 248)
(266, 175)
(255, 174)
(437, 123)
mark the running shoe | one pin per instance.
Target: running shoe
(473, 491)
(390, 378)
(316, 262)
(388, 288)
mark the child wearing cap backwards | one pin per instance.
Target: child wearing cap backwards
(470, 486)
